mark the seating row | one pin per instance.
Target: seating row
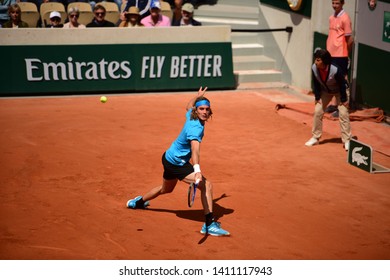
(31, 16)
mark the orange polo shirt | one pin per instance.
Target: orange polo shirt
(340, 26)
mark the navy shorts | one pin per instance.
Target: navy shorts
(172, 171)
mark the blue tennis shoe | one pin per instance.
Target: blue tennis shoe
(214, 229)
(134, 203)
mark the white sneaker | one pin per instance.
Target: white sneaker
(312, 141)
(346, 145)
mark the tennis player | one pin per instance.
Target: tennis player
(177, 166)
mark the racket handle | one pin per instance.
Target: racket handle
(197, 182)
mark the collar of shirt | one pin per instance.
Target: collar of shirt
(151, 22)
(182, 23)
(339, 14)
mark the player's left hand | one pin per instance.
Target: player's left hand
(201, 91)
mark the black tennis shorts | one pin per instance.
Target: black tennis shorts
(172, 171)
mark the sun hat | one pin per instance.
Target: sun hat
(133, 10)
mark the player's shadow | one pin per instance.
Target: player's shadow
(197, 214)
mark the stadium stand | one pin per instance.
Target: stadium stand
(166, 9)
(30, 13)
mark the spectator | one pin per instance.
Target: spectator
(73, 17)
(156, 19)
(4, 16)
(329, 82)
(15, 21)
(372, 4)
(339, 42)
(186, 19)
(55, 20)
(177, 10)
(133, 18)
(99, 21)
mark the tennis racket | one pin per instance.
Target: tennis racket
(192, 193)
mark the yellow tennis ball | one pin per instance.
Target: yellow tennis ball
(103, 99)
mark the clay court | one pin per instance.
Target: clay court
(69, 164)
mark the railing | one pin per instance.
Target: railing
(288, 29)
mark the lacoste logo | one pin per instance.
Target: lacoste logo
(358, 158)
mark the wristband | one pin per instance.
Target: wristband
(196, 168)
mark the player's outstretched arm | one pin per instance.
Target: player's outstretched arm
(200, 93)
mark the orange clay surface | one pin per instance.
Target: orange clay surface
(69, 165)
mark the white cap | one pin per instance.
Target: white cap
(155, 4)
(55, 14)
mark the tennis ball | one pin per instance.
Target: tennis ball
(103, 99)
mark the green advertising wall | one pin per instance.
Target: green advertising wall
(119, 67)
(372, 75)
(319, 40)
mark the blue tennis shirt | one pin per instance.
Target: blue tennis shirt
(180, 151)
